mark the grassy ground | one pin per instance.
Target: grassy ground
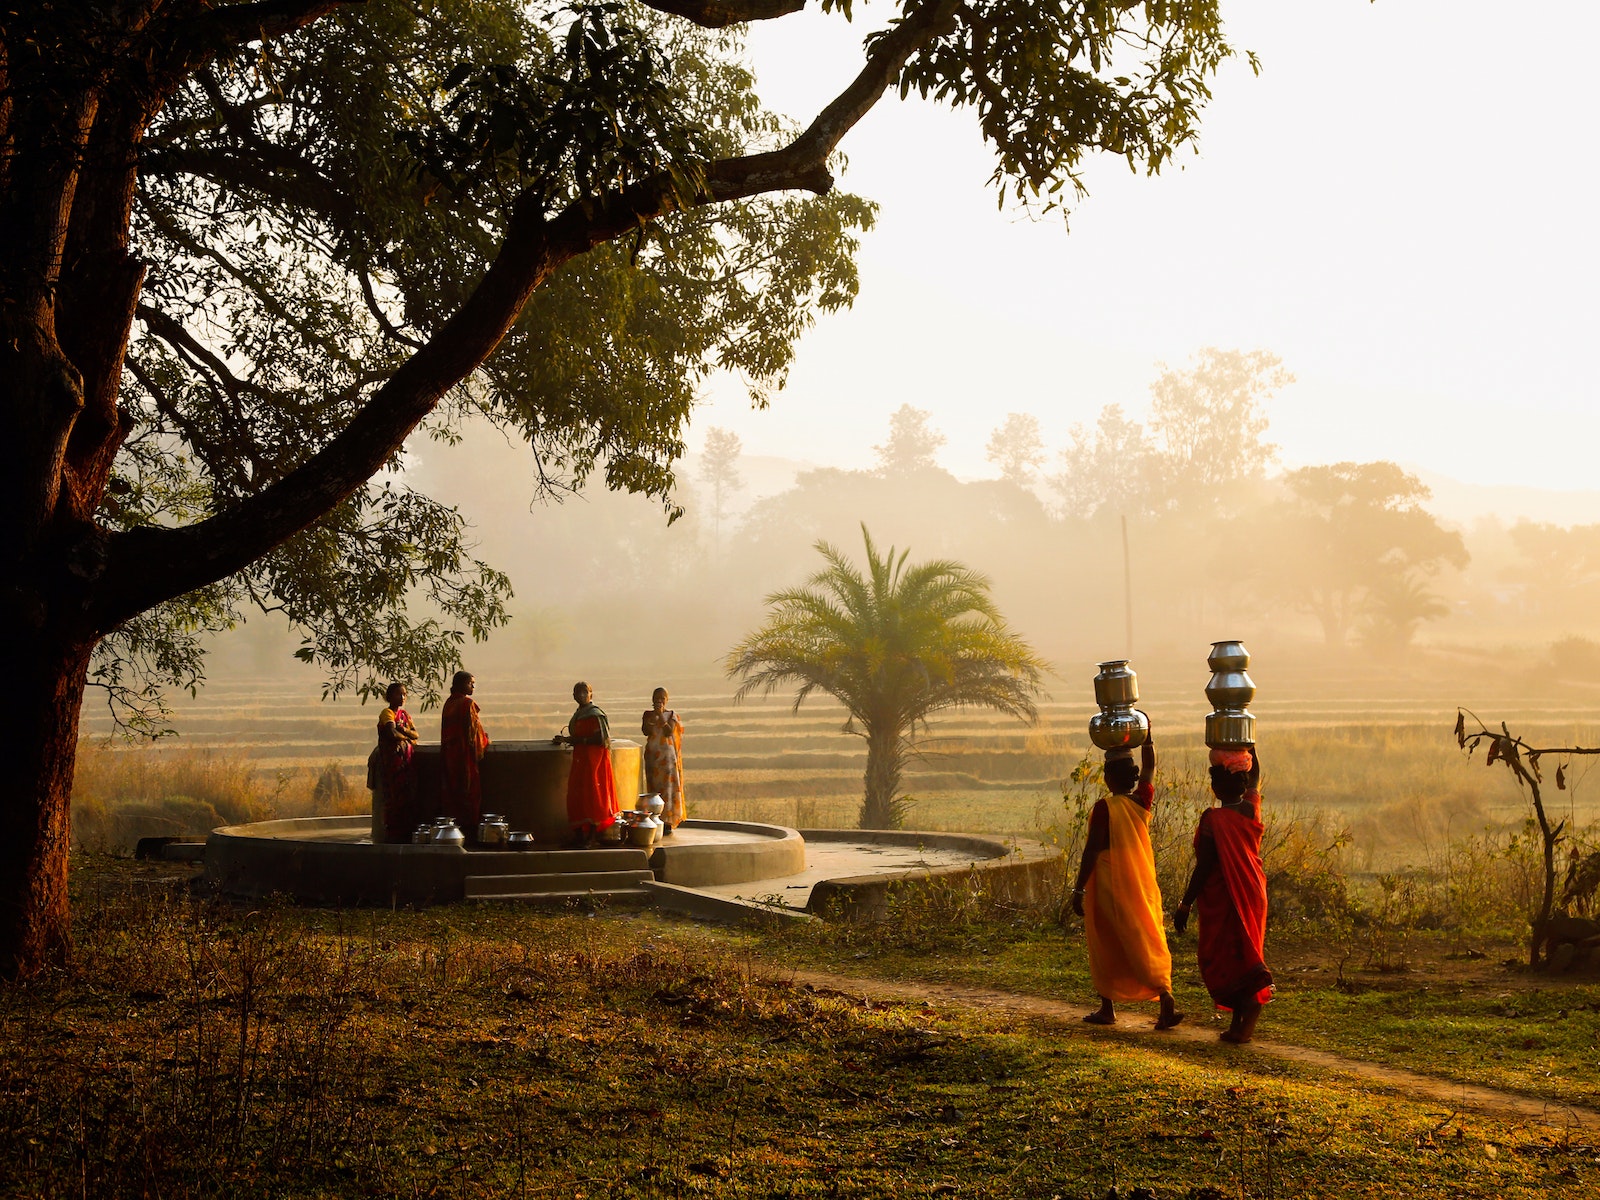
(1477, 1017)
(198, 1050)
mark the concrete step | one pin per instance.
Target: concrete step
(552, 862)
(624, 898)
(576, 883)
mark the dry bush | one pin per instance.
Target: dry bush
(121, 794)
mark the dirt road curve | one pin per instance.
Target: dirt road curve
(1465, 1097)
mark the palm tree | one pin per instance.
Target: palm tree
(894, 646)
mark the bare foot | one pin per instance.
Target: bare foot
(1168, 1019)
(1100, 1018)
(1236, 1036)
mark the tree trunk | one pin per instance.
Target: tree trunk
(39, 712)
(885, 760)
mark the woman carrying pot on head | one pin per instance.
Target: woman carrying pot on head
(663, 758)
(1117, 895)
(1229, 887)
(591, 787)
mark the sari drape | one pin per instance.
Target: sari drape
(396, 776)
(663, 764)
(1128, 955)
(462, 741)
(1232, 907)
(591, 787)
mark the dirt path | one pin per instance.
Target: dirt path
(1465, 1097)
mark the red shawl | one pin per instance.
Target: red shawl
(1233, 907)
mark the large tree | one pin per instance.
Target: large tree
(250, 248)
(1353, 546)
(895, 645)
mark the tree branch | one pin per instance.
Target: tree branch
(219, 29)
(146, 566)
(801, 165)
(719, 14)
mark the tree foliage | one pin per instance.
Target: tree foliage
(911, 444)
(292, 284)
(1017, 448)
(719, 471)
(1354, 547)
(253, 247)
(895, 644)
(1204, 444)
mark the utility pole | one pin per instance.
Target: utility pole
(1127, 585)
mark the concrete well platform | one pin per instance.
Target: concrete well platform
(719, 870)
(332, 860)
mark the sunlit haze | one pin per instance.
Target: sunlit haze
(1396, 206)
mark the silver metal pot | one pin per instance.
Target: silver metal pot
(493, 830)
(1228, 656)
(1116, 686)
(1230, 730)
(445, 833)
(1231, 689)
(520, 840)
(1116, 728)
(422, 835)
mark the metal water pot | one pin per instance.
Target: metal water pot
(520, 840)
(446, 833)
(1118, 725)
(493, 830)
(1230, 691)
(1116, 685)
(644, 832)
(1117, 728)
(422, 834)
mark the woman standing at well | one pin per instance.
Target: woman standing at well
(663, 758)
(591, 786)
(462, 742)
(1229, 886)
(396, 769)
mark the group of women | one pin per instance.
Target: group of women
(592, 802)
(1117, 895)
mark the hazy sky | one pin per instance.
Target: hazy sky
(1395, 206)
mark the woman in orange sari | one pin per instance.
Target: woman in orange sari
(1229, 885)
(663, 758)
(1118, 897)
(462, 742)
(591, 787)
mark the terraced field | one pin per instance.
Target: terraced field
(1386, 764)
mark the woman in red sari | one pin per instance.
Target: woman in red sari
(591, 787)
(1229, 886)
(396, 767)
(462, 742)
